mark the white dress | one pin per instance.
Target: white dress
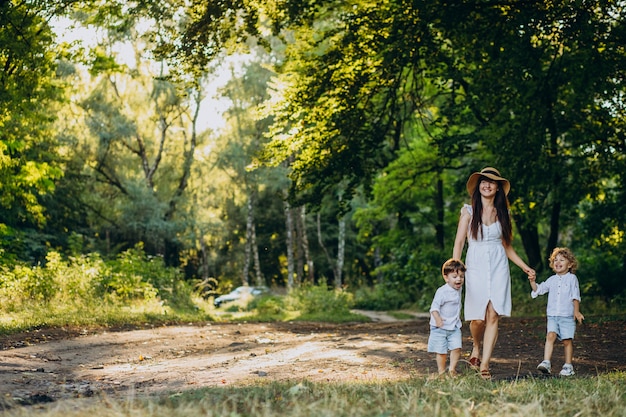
(488, 277)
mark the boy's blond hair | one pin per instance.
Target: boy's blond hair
(567, 254)
(452, 265)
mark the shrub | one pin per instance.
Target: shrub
(315, 301)
(380, 298)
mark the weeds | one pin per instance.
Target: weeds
(603, 395)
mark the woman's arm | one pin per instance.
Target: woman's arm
(514, 257)
(461, 233)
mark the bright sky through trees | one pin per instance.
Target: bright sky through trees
(213, 106)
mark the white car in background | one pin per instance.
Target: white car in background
(239, 293)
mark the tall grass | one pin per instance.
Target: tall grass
(87, 290)
(604, 395)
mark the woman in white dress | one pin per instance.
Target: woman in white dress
(486, 225)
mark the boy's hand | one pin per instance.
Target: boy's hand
(438, 322)
(579, 316)
(532, 278)
(531, 273)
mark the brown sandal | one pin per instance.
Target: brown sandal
(485, 374)
(474, 362)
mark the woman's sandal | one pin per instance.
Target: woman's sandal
(485, 374)
(474, 362)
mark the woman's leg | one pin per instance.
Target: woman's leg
(490, 335)
(477, 329)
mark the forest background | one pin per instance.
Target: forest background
(349, 130)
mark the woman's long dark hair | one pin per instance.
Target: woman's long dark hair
(501, 203)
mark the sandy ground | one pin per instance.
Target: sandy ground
(52, 364)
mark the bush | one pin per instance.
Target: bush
(87, 280)
(315, 302)
(380, 298)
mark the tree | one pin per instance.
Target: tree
(138, 151)
(29, 94)
(526, 83)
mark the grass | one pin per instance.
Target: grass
(36, 315)
(399, 315)
(604, 395)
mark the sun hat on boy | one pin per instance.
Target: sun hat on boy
(490, 173)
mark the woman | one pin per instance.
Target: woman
(486, 225)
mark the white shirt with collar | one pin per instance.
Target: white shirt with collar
(562, 291)
(447, 302)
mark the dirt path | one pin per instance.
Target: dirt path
(66, 363)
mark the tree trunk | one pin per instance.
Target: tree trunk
(553, 238)
(304, 239)
(341, 250)
(257, 262)
(305, 264)
(378, 262)
(530, 240)
(440, 210)
(248, 246)
(205, 259)
(296, 213)
(289, 227)
(320, 240)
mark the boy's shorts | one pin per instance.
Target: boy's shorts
(564, 327)
(441, 341)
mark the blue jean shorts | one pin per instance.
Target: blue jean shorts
(441, 341)
(564, 327)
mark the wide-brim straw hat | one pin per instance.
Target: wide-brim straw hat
(490, 173)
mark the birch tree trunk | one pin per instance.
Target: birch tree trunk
(304, 240)
(289, 227)
(378, 262)
(248, 246)
(296, 213)
(257, 263)
(341, 250)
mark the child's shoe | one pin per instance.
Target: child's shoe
(546, 367)
(568, 370)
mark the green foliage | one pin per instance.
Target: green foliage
(269, 308)
(396, 101)
(135, 275)
(322, 303)
(29, 96)
(84, 282)
(381, 297)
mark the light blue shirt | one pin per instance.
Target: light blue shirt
(562, 291)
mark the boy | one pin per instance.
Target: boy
(563, 307)
(445, 317)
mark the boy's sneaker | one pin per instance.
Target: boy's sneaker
(568, 370)
(546, 367)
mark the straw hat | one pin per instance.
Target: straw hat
(490, 173)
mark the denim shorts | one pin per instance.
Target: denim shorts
(441, 341)
(564, 327)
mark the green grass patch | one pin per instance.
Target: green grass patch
(604, 395)
(399, 315)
